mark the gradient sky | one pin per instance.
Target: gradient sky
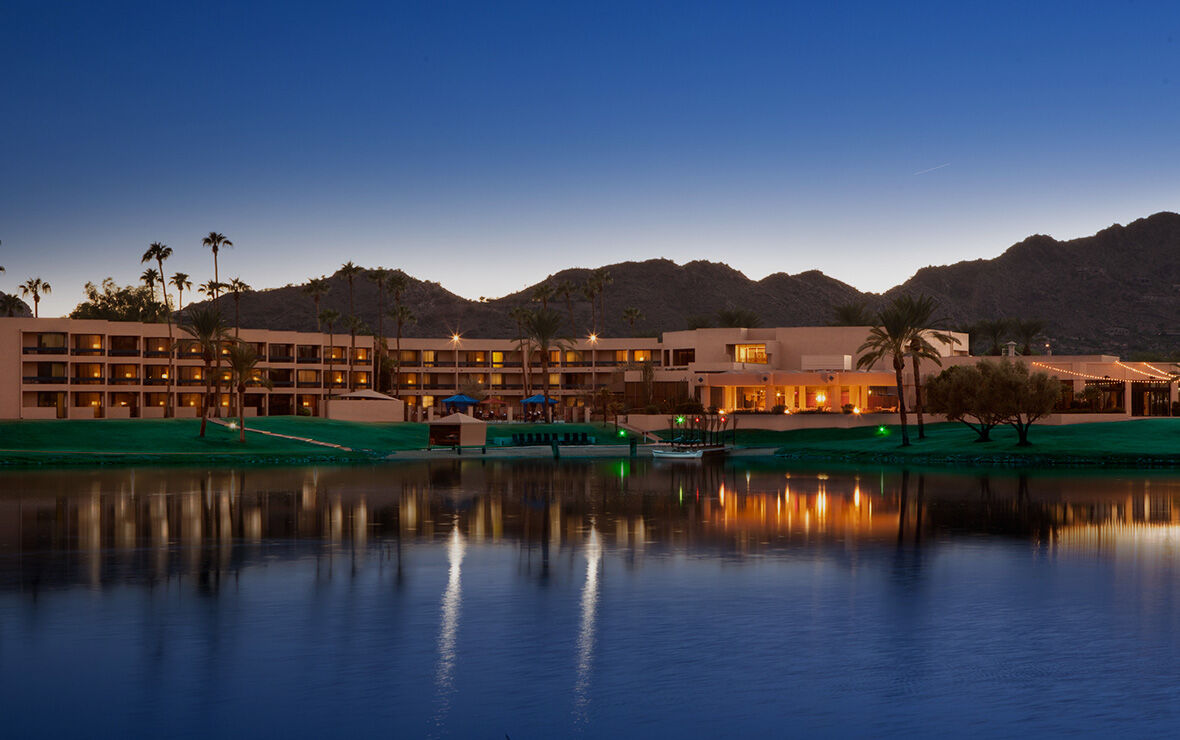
(486, 145)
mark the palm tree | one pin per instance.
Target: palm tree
(328, 317)
(181, 282)
(243, 365)
(160, 252)
(590, 290)
(519, 314)
(920, 314)
(401, 316)
(204, 325)
(566, 290)
(37, 287)
(1027, 331)
(236, 288)
(380, 278)
(350, 271)
(994, 331)
(542, 327)
(631, 315)
(890, 339)
(150, 277)
(602, 278)
(210, 289)
(854, 313)
(317, 288)
(216, 241)
(355, 325)
(543, 294)
(10, 304)
(738, 318)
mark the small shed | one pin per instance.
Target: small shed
(458, 430)
(365, 405)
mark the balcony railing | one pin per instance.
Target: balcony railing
(45, 350)
(191, 381)
(58, 379)
(308, 360)
(76, 380)
(307, 384)
(283, 383)
(125, 381)
(88, 351)
(124, 353)
(165, 353)
(155, 381)
(282, 358)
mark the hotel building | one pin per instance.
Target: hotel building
(67, 368)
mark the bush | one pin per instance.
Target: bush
(303, 411)
(847, 408)
(779, 409)
(690, 406)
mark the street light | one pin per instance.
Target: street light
(455, 345)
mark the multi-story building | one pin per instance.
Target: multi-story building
(65, 368)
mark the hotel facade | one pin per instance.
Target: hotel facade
(70, 368)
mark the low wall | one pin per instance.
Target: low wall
(38, 412)
(781, 422)
(370, 410)
(1059, 419)
(187, 412)
(151, 412)
(117, 412)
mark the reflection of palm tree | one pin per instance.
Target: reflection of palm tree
(243, 365)
(543, 327)
(37, 287)
(920, 314)
(317, 288)
(181, 282)
(204, 325)
(890, 339)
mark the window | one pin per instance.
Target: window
(428, 357)
(683, 356)
(642, 355)
(555, 379)
(754, 353)
(620, 355)
(497, 379)
(497, 359)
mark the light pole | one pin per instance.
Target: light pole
(455, 345)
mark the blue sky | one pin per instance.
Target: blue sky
(486, 145)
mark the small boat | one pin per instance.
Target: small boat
(687, 452)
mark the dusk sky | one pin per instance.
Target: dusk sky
(487, 145)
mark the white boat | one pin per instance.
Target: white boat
(687, 452)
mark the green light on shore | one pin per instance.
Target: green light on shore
(882, 431)
(622, 433)
(679, 419)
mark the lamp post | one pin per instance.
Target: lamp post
(593, 361)
(455, 345)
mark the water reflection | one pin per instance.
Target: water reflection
(586, 630)
(450, 625)
(96, 527)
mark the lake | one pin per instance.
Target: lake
(588, 599)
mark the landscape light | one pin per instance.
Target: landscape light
(679, 419)
(882, 430)
(622, 433)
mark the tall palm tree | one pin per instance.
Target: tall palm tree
(350, 271)
(317, 288)
(519, 314)
(181, 282)
(354, 325)
(204, 324)
(216, 242)
(1027, 331)
(602, 278)
(380, 277)
(160, 252)
(401, 316)
(566, 289)
(10, 304)
(243, 366)
(590, 290)
(150, 277)
(631, 315)
(328, 317)
(210, 289)
(543, 294)
(854, 313)
(543, 327)
(890, 339)
(37, 287)
(995, 331)
(236, 289)
(920, 314)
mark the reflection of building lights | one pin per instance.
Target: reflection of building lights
(856, 496)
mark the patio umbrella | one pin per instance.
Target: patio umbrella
(539, 398)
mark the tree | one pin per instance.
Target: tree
(890, 339)
(1025, 396)
(519, 314)
(204, 324)
(36, 287)
(216, 242)
(236, 288)
(543, 294)
(354, 325)
(631, 315)
(970, 394)
(401, 316)
(160, 252)
(113, 302)
(149, 278)
(543, 327)
(602, 278)
(854, 313)
(380, 278)
(10, 305)
(181, 282)
(738, 318)
(590, 289)
(919, 311)
(566, 289)
(210, 289)
(328, 317)
(1026, 332)
(243, 366)
(316, 289)
(994, 332)
(698, 322)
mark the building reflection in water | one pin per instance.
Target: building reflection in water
(96, 527)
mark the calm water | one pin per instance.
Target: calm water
(610, 599)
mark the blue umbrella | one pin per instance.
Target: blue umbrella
(461, 399)
(539, 398)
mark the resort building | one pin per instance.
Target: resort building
(67, 368)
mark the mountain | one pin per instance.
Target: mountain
(1115, 292)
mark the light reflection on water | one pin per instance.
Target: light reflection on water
(539, 600)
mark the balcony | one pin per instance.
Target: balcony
(308, 360)
(283, 383)
(45, 379)
(87, 351)
(155, 381)
(281, 358)
(306, 384)
(190, 381)
(125, 381)
(76, 380)
(165, 353)
(45, 350)
(124, 353)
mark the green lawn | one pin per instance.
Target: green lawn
(175, 440)
(1139, 442)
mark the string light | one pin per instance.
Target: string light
(1075, 373)
(1156, 369)
(1136, 370)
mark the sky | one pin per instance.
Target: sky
(486, 145)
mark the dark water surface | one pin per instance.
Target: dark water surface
(605, 599)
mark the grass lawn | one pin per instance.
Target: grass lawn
(77, 441)
(1139, 442)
